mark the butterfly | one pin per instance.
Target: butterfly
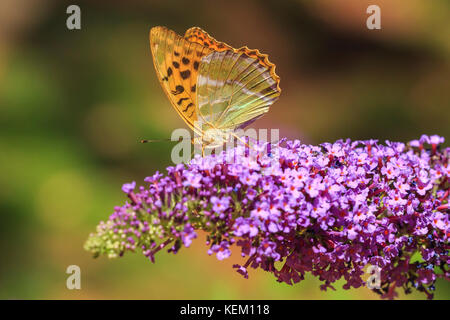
(215, 88)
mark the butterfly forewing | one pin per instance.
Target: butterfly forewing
(176, 62)
(200, 36)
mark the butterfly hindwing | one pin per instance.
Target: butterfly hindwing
(200, 36)
(234, 89)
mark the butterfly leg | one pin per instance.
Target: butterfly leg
(244, 142)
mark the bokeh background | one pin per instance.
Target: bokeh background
(74, 104)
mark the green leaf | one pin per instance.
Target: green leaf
(417, 257)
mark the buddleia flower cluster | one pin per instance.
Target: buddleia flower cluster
(330, 210)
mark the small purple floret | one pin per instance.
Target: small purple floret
(129, 187)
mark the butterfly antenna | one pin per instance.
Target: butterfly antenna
(160, 140)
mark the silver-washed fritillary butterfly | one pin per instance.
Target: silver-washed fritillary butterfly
(213, 86)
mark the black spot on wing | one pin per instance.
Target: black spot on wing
(188, 106)
(185, 74)
(185, 60)
(181, 101)
(169, 73)
(178, 89)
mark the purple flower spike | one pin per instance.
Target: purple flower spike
(330, 210)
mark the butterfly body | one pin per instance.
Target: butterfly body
(215, 88)
(213, 138)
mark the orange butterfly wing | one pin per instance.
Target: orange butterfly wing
(200, 36)
(176, 61)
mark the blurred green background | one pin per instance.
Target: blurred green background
(74, 104)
